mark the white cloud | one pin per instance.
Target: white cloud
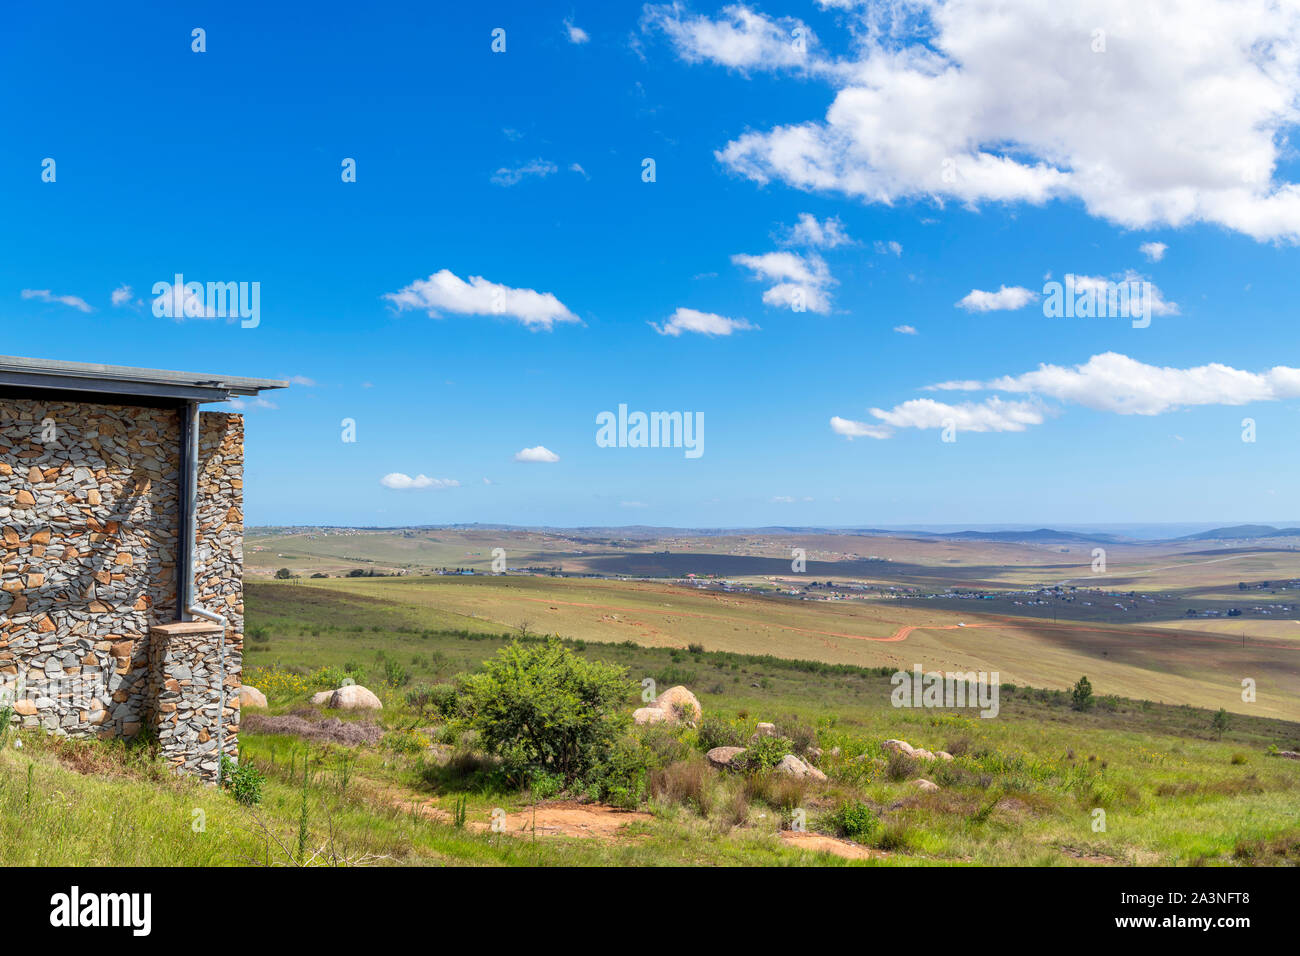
(178, 302)
(402, 482)
(1015, 297)
(1022, 101)
(302, 380)
(1100, 288)
(705, 323)
(813, 234)
(991, 415)
(45, 295)
(1154, 251)
(245, 404)
(632, 504)
(1111, 382)
(740, 38)
(905, 329)
(851, 429)
(122, 295)
(445, 292)
(539, 453)
(575, 34)
(799, 279)
(576, 168)
(509, 176)
(890, 248)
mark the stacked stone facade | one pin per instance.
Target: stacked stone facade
(90, 503)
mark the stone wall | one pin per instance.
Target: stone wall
(89, 513)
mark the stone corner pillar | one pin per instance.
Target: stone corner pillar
(193, 699)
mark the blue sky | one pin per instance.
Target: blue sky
(525, 168)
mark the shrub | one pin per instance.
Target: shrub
(716, 732)
(1081, 695)
(244, 781)
(763, 754)
(802, 736)
(444, 701)
(853, 819)
(900, 766)
(686, 782)
(1219, 723)
(542, 706)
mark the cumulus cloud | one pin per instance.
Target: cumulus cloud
(402, 482)
(800, 281)
(1100, 288)
(1021, 101)
(851, 429)
(1154, 251)
(991, 415)
(511, 175)
(444, 292)
(905, 330)
(1112, 382)
(538, 453)
(1014, 297)
(45, 295)
(812, 233)
(705, 323)
(739, 38)
(890, 248)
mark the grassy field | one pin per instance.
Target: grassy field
(1023, 789)
(1186, 667)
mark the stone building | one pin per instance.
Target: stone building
(121, 594)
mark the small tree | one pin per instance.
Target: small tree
(1220, 723)
(542, 707)
(1081, 696)
(284, 574)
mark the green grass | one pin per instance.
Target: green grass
(1022, 790)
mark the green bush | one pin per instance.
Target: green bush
(540, 706)
(1081, 695)
(243, 781)
(764, 754)
(716, 732)
(853, 819)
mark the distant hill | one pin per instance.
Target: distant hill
(1040, 536)
(1242, 531)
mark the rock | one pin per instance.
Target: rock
(355, 697)
(25, 707)
(251, 697)
(943, 755)
(650, 715)
(792, 766)
(921, 753)
(925, 786)
(322, 699)
(1289, 754)
(836, 752)
(899, 746)
(814, 753)
(680, 704)
(723, 757)
(764, 730)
